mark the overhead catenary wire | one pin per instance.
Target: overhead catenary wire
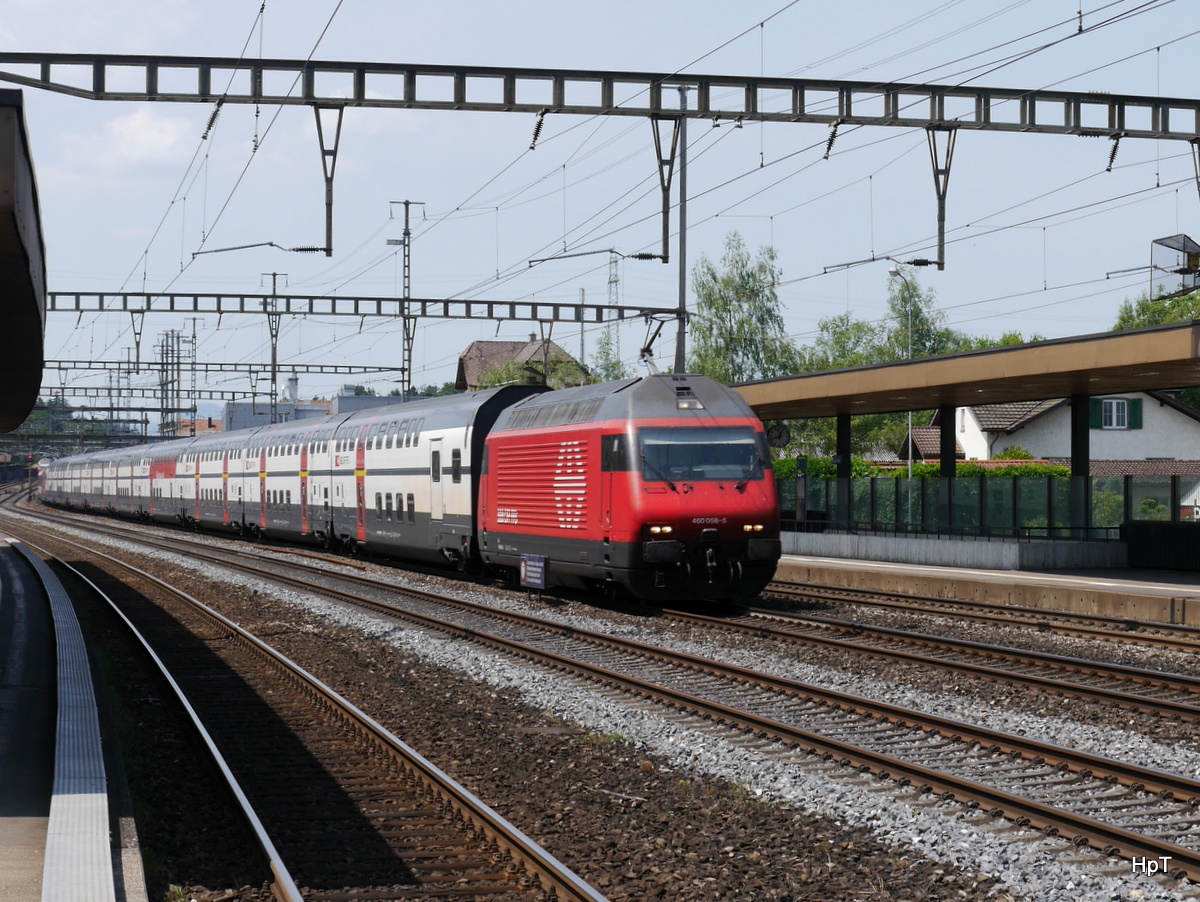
(461, 211)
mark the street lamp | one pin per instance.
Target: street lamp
(896, 272)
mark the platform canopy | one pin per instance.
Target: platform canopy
(22, 269)
(1154, 357)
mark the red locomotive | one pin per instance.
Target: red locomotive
(662, 485)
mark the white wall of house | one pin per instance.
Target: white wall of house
(972, 439)
(1165, 433)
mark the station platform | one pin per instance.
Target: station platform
(1166, 596)
(57, 826)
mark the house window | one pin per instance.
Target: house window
(1114, 414)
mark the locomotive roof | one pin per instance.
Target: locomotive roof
(659, 395)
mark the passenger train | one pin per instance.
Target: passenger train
(661, 485)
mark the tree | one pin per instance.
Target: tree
(915, 328)
(842, 341)
(606, 365)
(738, 332)
(562, 371)
(1157, 311)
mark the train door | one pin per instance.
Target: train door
(262, 487)
(360, 488)
(436, 503)
(304, 486)
(225, 487)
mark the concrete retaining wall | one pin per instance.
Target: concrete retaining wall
(983, 554)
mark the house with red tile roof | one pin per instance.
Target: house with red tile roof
(1151, 428)
(482, 356)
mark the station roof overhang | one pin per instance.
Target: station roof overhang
(22, 269)
(1146, 359)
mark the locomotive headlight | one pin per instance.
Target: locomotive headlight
(755, 527)
(660, 530)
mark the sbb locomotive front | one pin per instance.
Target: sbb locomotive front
(661, 485)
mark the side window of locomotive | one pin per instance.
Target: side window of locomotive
(456, 465)
(614, 454)
(435, 466)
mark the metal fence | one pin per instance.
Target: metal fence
(1043, 507)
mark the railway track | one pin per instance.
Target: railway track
(1175, 696)
(1116, 807)
(1173, 637)
(344, 808)
(1172, 696)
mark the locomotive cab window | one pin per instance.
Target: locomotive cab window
(699, 454)
(435, 466)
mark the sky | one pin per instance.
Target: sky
(1035, 224)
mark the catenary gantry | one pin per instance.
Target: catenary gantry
(332, 86)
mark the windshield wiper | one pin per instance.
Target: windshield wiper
(665, 478)
(755, 466)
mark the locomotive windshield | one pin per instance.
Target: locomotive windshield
(699, 454)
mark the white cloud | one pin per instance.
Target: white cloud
(132, 142)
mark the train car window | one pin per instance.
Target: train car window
(289, 497)
(412, 511)
(388, 511)
(614, 453)
(402, 434)
(456, 465)
(326, 497)
(378, 505)
(435, 466)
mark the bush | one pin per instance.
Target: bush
(1016, 452)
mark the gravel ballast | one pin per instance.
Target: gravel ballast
(854, 837)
